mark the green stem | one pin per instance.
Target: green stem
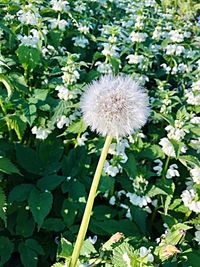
(165, 168)
(89, 205)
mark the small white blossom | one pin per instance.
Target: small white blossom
(40, 133)
(63, 92)
(188, 198)
(112, 200)
(63, 121)
(81, 140)
(59, 5)
(167, 147)
(135, 59)
(110, 170)
(176, 36)
(159, 167)
(138, 36)
(140, 201)
(195, 173)
(172, 171)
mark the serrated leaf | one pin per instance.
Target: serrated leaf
(40, 205)
(77, 127)
(130, 166)
(17, 124)
(6, 249)
(87, 248)
(29, 57)
(119, 251)
(65, 248)
(7, 166)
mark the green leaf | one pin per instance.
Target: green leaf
(20, 192)
(7, 84)
(7, 166)
(40, 205)
(29, 251)
(29, 160)
(65, 248)
(193, 257)
(189, 159)
(25, 223)
(3, 206)
(87, 248)
(69, 212)
(152, 152)
(77, 127)
(130, 166)
(30, 113)
(29, 57)
(50, 182)
(118, 253)
(106, 183)
(6, 249)
(53, 224)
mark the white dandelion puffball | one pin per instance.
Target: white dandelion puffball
(115, 106)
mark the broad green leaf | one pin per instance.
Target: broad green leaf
(6, 249)
(40, 204)
(20, 192)
(65, 248)
(77, 127)
(87, 248)
(50, 182)
(29, 57)
(119, 251)
(106, 183)
(53, 224)
(69, 212)
(29, 160)
(130, 166)
(25, 223)
(7, 166)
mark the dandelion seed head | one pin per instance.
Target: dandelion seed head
(115, 105)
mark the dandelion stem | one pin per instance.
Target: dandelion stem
(89, 205)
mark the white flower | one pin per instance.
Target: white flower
(188, 198)
(172, 171)
(109, 50)
(81, 140)
(63, 92)
(144, 252)
(140, 201)
(192, 99)
(138, 36)
(195, 173)
(115, 105)
(63, 121)
(103, 67)
(135, 59)
(159, 167)
(40, 133)
(80, 41)
(112, 200)
(59, 5)
(196, 86)
(176, 36)
(175, 133)
(110, 170)
(195, 120)
(167, 147)
(28, 17)
(60, 24)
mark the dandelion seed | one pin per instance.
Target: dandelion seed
(115, 106)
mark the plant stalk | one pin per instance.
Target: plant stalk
(89, 204)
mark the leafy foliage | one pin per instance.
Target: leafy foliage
(146, 211)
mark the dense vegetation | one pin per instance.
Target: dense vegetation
(150, 188)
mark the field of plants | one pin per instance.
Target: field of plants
(147, 206)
